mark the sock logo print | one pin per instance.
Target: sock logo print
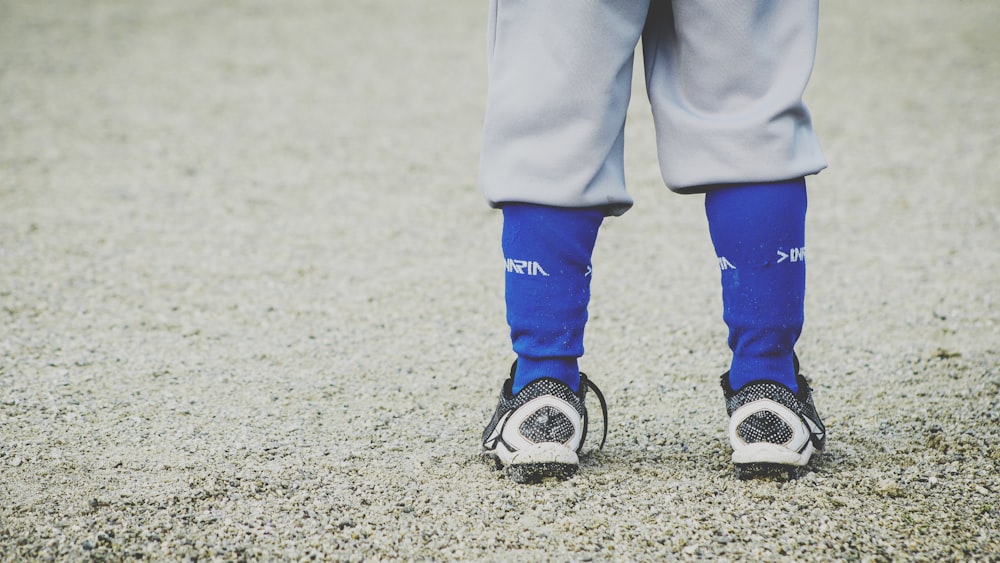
(525, 267)
(793, 255)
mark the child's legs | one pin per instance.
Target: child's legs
(559, 86)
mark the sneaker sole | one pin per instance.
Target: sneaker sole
(534, 464)
(769, 461)
(773, 454)
(539, 472)
(768, 471)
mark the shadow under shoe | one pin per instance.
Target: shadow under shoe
(774, 432)
(538, 433)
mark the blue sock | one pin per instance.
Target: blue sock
(759, 235)
(547, 252)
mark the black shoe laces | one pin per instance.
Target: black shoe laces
(604, 412)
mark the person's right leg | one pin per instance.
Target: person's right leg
(725, 79)
(560, 82)
(758, 231)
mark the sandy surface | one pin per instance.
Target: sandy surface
(251, 302)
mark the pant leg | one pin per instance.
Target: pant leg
(725, 80)
(560, 74)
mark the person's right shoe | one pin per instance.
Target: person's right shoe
(771, 429)
(538, 433)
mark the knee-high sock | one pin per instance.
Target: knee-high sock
(759, 235)
(547, 252)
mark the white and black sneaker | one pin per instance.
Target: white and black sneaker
(773, 431)
(538, 433)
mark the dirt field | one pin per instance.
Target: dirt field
(251, 300)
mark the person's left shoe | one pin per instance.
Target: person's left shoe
(773, 431)
(538, 433)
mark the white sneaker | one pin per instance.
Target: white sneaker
(539, 432)
(772, 429)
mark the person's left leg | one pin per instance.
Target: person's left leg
(547, 253)
(560, 81)
(560, 77)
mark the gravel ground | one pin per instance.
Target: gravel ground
(251, 302)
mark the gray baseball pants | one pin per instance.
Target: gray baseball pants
(725, 80)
